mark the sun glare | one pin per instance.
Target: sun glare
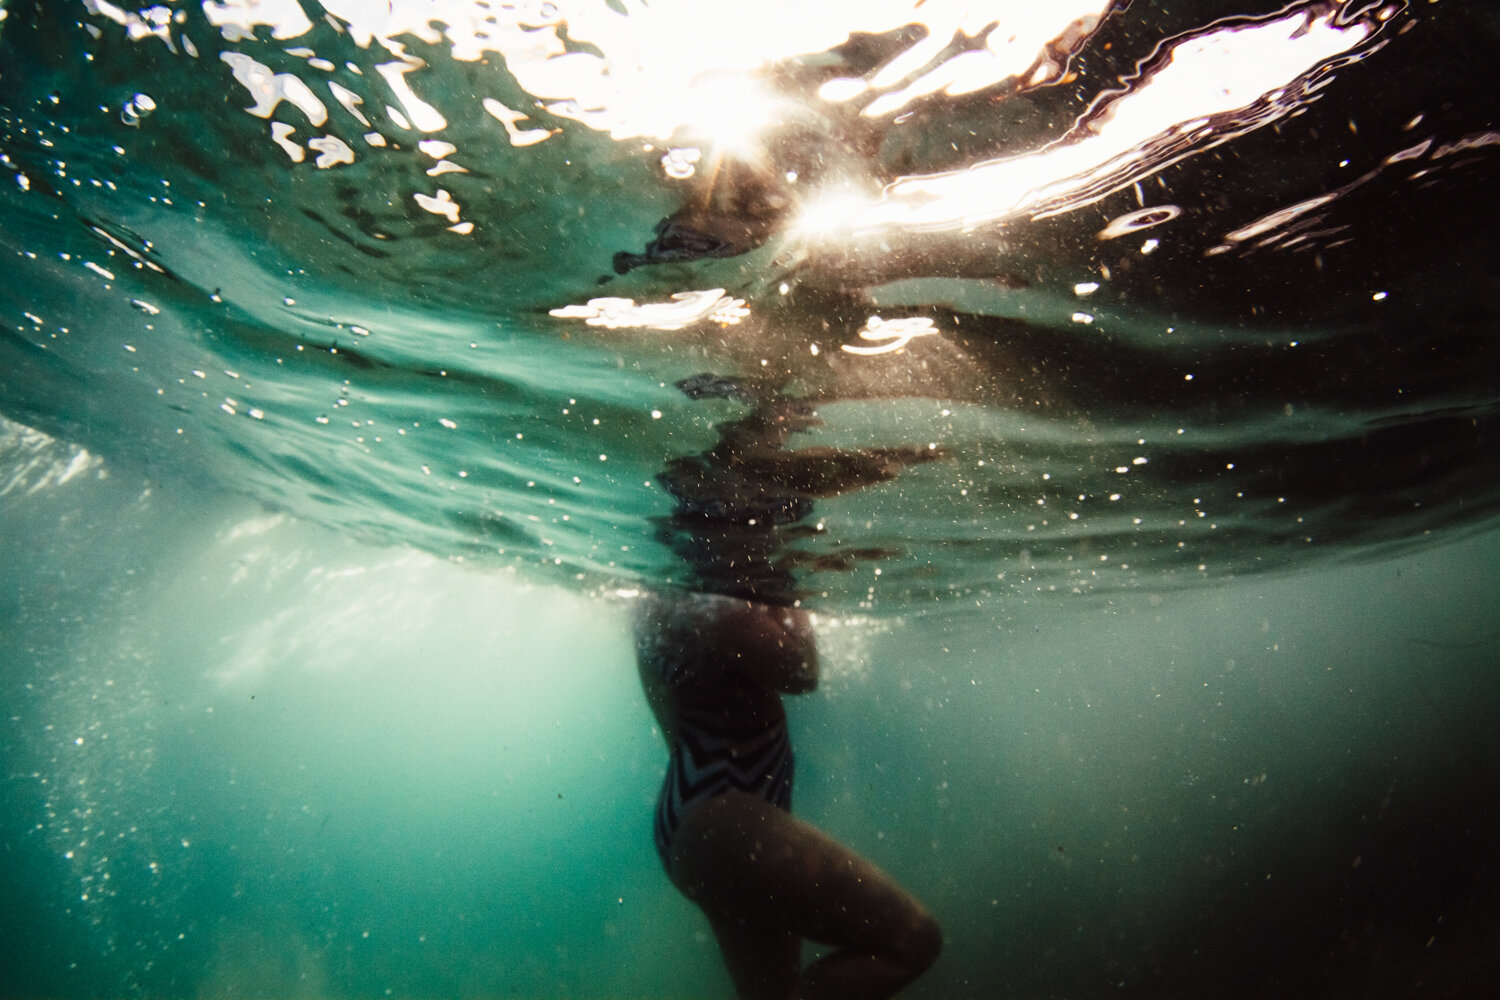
(829, 213)
(731, 113)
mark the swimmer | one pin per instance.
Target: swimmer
(714, 670)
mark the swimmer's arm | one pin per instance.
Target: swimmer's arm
(774, 646)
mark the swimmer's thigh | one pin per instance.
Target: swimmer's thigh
(743, 860)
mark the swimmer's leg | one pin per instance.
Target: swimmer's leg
(763, 963)
(758, 870)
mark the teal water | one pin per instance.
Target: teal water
(1153, 568)
(248, 757)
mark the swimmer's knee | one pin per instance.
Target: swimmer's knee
(923, 943)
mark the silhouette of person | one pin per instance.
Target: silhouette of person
(714, 669)
(715, 659)
(716, 655)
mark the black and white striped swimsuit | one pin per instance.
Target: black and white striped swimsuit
(725, 730)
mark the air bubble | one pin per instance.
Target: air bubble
(136, 108)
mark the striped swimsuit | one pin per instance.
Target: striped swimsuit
(726, 731)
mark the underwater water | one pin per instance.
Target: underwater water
(1115, 383)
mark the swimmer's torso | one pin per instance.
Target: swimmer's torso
(726, 729)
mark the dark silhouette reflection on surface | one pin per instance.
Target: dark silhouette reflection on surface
(741, 502)
(715, 661)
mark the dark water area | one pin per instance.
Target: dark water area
(1116, 384)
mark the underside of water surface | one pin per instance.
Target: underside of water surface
(1163, 294)
(1116, 384)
